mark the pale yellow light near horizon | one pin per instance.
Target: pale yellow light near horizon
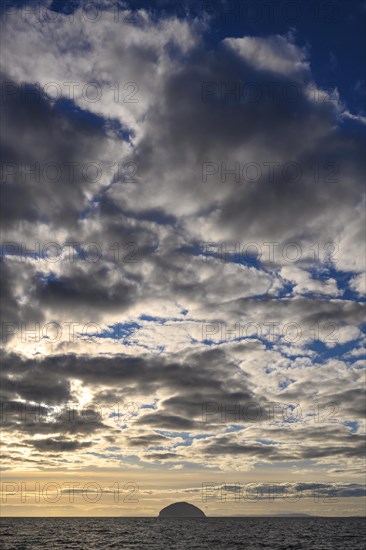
(138, 493)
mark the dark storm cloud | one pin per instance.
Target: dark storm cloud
(169, 421)
(147, 440)
(35, 384)
(160, 456)
(39, 419)
(34, 132)
(62, 445)
(96, 293)
(13, 310)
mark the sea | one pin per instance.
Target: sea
(246, 533)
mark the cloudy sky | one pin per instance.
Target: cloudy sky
(183, 257)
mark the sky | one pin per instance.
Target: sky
(183, 257)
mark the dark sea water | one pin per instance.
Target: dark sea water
(211, 533)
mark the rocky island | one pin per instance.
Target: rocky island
(181, 510)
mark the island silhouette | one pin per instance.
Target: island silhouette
(181, 510)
